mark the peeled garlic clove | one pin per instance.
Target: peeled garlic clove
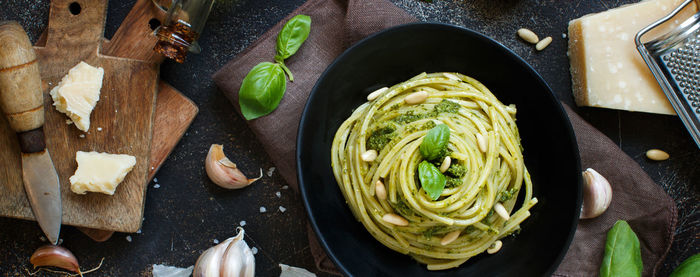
(57, 256)
(597, 194)
(223, 172)
(232, 257)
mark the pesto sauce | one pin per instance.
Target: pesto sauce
(507, 194)
(380, 137)
(432, 230)
(453, 182)
(445, 106)
(403, 208)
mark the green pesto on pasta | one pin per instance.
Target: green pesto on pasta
(478, 178)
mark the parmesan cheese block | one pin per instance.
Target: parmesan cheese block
(100, 172)
(78, 92)
(606, 69)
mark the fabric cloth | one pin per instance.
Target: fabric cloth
(337, 24)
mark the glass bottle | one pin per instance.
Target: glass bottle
(183, 25)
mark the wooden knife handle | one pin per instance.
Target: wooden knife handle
(21, 96)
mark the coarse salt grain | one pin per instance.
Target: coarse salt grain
(82, 135)
(283, 209)
(263, 209)
(128, 238)
(271, 171)
(242, 223)
(279, 194)
(285, 187)
(99, 129)
(156, 186)
(155, 180)
(139, 231)
(216, 241)
(254, 250)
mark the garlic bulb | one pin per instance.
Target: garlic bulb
(230, 258)
(597, 194)
(223, 172)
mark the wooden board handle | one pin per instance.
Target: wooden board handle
(21, 97)
(135, 37)
(76, 27)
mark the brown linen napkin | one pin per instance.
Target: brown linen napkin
(336, 24)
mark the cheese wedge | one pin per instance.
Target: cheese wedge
(78, 92)
(606, 69)
(100, 172)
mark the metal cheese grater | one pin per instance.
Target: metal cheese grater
(674, 60)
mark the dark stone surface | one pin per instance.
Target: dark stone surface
(187, 212)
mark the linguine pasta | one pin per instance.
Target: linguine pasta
(486, 169)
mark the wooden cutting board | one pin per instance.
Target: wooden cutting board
(125, 114)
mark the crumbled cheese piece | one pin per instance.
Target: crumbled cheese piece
(291, 271)
(100, 172)
(242, 223)
(78, 92)
(283, 209)
(606, 69)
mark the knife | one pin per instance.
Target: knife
(22, 102)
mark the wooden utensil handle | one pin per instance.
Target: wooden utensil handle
(21, 97)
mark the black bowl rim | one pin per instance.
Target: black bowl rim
(507, 51)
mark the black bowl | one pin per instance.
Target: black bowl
(395, 55)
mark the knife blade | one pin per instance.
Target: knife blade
(22, 102)
(44, 192)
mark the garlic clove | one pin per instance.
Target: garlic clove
(597, 194)
(223, 172)
(238, 259)
(232, 257)
(56, 256)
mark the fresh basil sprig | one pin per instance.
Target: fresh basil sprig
(622, 255)
(689, 268)
(431, 179)
(290, 38)
(435, 142)
(263, 88)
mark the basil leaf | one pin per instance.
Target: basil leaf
(292, 36)
(435, 142)
(622, 255)
(262, 90)
(689, 268)
(431, 180)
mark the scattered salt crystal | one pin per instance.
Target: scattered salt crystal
(285, 187)
(128, 238)
(216, 241)
(270, 171)
(152, 168)
(242, 223)
(254, 250)
(99, 129)
(69, 122)
(263, 209)
(82, 135)
(42, 238)
(139, 231)
(563, 35)
(156, 186)
(279, 194)
(171, 271)
(155, 180)
(283, 209)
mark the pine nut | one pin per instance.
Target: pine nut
(445, 164)
(481, 142)
(494, 247)
(501, 211)
(451, 76)
(380, 190)
(450, 237)
(528, 35)
(369, 155)
(376, 93)
(416, 97)
(657, 155)
(395, 219)
(543, 43)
